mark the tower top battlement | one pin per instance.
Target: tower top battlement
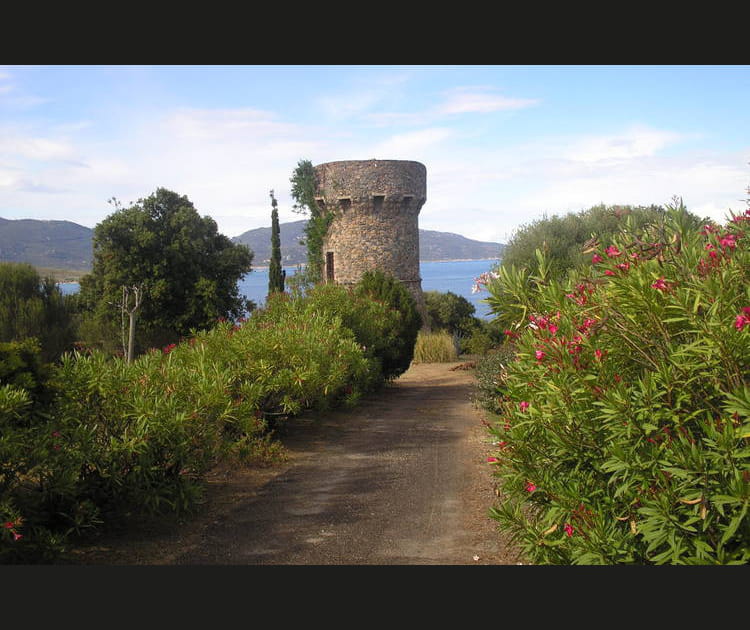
(359, 181)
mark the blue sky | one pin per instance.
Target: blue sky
(503, 145)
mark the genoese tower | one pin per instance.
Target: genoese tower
(375, 205)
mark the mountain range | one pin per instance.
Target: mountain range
(53, 244)
(67, 245)
(433, 245)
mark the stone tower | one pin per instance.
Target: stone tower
(376, 204)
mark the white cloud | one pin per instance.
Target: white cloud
(480, 100)
(636, 142)
(462, 100)
(363, 96)
(411, 145)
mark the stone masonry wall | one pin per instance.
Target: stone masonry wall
(376, 205)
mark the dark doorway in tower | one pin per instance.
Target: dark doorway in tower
(329, 266)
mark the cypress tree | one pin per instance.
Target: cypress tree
(275, 275)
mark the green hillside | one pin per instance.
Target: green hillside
(50, 244)
(63, 245)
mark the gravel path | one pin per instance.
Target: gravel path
(400, 479)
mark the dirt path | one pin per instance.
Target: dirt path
(401, 479)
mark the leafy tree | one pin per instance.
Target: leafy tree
(397, 342)
(449, 311)
(275, 275)
(303, 192)
(186, 269)
(31, 306)
(566, 241)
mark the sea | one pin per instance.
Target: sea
(456, 276)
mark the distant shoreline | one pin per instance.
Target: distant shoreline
(442, 260)
(265, 267)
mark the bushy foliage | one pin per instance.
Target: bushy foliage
(372, 321)
(455, 314)
(126, 440)
(398, 340)
(188, 272)
(490, 371)
(318, 221)
(625, 419)
(435, 347)
(451, 312)
(31, 306)
(563, 239)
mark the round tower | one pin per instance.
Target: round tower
(375, 205)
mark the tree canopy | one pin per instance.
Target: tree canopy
(187, 270)
(563, 239)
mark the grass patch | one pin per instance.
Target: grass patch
(435, 347)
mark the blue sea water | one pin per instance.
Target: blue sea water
(455, 276)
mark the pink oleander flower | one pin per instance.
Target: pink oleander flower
(624, 266)
(596, 258)
(530, 487)
(170, 347)
(17, 536)
(598, 354)
(8, 525)
(492, 460)
(612, 251)
(568, 529)
(741, 321)
(539, 355)
(552, 329)
(609, 272)
(660, 285)
(729, 240)
(523, 406)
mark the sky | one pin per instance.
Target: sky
(503, 145)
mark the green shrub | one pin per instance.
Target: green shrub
(31, 306)
(451, 312)
(123, 441)
(435, 347)
(490, 371)
(564, 239)
(484, 337)
(396, 346)
(371, 321)
(625, 418)
(38, 503)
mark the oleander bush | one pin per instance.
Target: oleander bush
(624, 422)
(118, 441)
